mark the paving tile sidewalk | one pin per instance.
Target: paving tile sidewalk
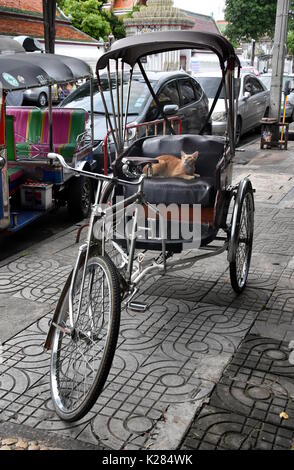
(202, 368)
(257, 385)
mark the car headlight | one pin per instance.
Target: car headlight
(219, 116)
(28, 92)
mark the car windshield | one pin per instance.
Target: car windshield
(81, 97)
(210, 86)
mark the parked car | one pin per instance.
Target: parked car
(266, 80)
(253, 103)
(39, 96)
(178, 90)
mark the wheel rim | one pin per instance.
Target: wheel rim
(77, 358)
(85, 196)
(245, 237)
(43, 100)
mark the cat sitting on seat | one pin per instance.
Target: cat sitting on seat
(173, 167)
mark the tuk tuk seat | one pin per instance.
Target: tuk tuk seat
(31, 130)
(68, 126)
(15, 179)
(202, 189)
(27, 127)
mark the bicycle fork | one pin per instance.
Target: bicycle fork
(84, 248)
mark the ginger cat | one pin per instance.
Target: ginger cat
(170, 166)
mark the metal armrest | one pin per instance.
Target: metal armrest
(139, 160)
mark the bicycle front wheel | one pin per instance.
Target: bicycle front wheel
(82, 353)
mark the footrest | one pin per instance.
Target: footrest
(137, 306)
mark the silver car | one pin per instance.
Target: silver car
(266, 79)
(39, 96)
(253, 103)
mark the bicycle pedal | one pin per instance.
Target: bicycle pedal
(137, 306)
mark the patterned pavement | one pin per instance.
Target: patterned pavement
(201, 368)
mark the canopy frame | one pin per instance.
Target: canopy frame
(130, 51)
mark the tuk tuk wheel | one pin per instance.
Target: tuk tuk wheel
(241, 239)
(79, 198)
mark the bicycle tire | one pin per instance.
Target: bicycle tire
(62, 383)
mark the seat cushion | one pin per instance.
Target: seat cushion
(210, 148)
(177, 191)
(15, 178)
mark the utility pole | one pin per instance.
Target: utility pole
(49, 13)
(252, 52)
(278, 59)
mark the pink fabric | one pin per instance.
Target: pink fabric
(20, 123)
(15, 176)
(60, 123)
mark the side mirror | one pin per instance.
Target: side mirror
(170, 109)
(247, 95)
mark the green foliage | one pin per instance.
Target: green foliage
(87, 15)
(250, 19)
(290, 43)
(116, 25)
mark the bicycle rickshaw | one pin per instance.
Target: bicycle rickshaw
(84, 330)
(30, 183)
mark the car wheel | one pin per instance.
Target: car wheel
(238, 130)
(42, 100)
(79, 198)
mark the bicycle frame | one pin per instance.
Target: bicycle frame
(135, 271)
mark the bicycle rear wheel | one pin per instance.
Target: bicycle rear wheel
(82, 356)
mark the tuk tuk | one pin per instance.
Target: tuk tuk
(30, 183)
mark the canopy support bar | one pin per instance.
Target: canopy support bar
(154, 96)
(107, 113)
(127, 105)
(212, 107)
(112, 99)
(92, 109)
(50, 119)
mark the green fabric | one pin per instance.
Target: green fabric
(10, 138)
(67, 150)
(77, 124)
(35, 126)
(23, 149)
(13, 170)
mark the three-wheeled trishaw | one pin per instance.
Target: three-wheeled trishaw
(30, 183)
(134, 231)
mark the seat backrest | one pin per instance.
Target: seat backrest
(27, 123)
(67, 125)
(210, 148)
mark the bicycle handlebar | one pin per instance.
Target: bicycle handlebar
(97, 176)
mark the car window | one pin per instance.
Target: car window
(256, 86)
(187, 93)
(169, 94)
(197, 90)
(81, 97)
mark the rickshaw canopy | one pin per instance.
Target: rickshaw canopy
(131, 49)
(30, 70)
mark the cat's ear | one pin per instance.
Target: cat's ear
(183, 155)
(195, 154)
